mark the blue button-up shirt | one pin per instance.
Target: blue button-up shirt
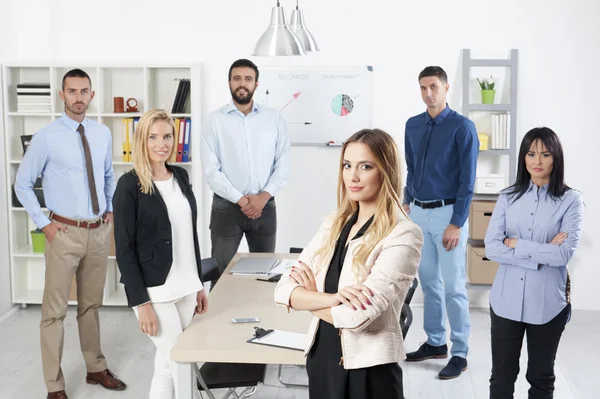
(441, 158)
(56, 153)
(531, 282)
(245, 154)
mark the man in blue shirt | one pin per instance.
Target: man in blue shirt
(441, 155)
(73, 155)
(245, 161)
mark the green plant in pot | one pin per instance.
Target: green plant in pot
(487, 90)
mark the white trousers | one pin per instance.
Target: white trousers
(173, 317)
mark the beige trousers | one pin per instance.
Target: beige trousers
(84, 253)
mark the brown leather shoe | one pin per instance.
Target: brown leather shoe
(107, 379)
(57, 395)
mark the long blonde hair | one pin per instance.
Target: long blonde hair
(140, 157)
(384, 149)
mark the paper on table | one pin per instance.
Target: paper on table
(283, 339)
(283, 266)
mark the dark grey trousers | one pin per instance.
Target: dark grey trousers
(228, 224)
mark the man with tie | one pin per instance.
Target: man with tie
(73, 155)
(245, 160)
(441, 149)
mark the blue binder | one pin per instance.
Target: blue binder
(186, 141)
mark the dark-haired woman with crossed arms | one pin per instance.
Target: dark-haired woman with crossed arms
(533, 233)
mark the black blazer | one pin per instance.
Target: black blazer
(143, 236)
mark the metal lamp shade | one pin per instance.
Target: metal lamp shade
(278, 39)
(297, 26)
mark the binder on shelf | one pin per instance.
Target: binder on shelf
(173, 157)
(507, 138)
(500, 137)
(180, 100)
(125, 144)
(173, 95)
(181, 132)
(186, 94)
(136, 120)
(177, 96)
(38, 191)
(186, 141)
(130, 129)
(25, 141)
(279, 339)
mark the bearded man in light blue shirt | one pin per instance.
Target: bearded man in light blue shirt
(245, 161)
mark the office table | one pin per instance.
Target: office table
(212, 337)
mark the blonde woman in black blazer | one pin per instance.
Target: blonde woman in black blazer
(157, 244)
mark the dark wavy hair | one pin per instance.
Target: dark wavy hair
(557, 186)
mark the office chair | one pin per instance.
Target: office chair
(210, 271)
(406, 316)
(231, 376)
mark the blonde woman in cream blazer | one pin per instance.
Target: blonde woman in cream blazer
(353, 277)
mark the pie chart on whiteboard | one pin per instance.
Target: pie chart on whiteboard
(342, 105)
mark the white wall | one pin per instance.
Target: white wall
(557, 41)
(7, 51)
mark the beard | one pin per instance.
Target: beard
(242, 100)
(72, 108)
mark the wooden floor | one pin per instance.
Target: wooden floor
(130, 355)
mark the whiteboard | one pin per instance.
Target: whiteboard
(319, 104)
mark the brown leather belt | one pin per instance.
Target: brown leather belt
(76, 223)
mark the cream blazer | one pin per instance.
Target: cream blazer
(373, 336)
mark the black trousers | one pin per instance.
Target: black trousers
(542, 344)
(333, 382)
(228, 225)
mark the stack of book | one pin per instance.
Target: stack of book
(500, 135)
(33, 98)
(180, 96)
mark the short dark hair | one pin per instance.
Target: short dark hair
(557, 186)
(243, 63)
(434, 71)
(76, 73)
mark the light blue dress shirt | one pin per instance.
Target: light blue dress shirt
(56, 153)
(531, 282)
(245, 154)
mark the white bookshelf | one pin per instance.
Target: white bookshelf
(503, 161)
(150, 84)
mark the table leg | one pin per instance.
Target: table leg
(198, 375)
(185, 381)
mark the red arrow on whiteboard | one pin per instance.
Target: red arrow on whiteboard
(296, 95)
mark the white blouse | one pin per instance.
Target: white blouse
(183, 277)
